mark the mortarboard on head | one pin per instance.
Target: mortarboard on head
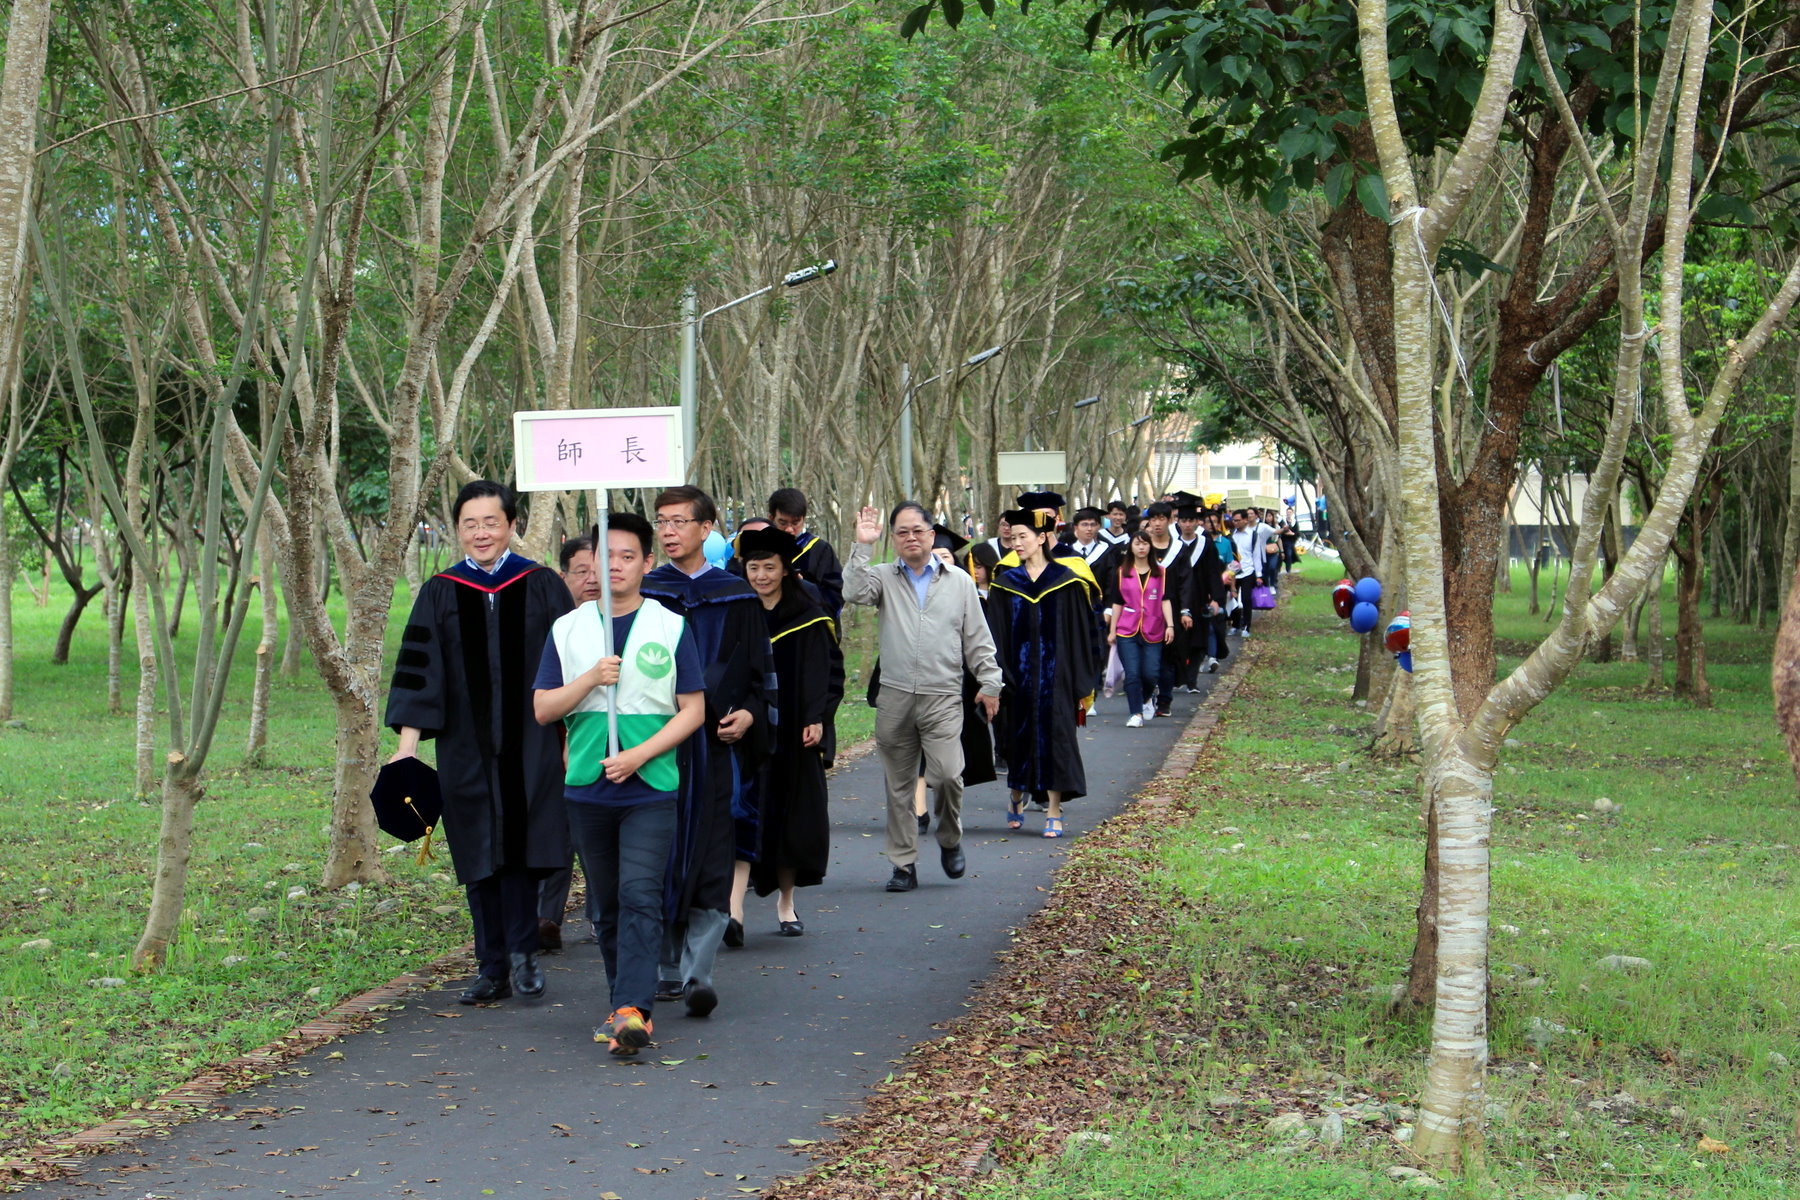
(947, 539)
(1087, 514)
(764, 541)
(1033, 518)
(1186, 500)
(1050, 500)
(408, 802)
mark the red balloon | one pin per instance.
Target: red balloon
(1343, 598)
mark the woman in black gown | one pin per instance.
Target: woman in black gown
(809, 669)
(1048, 643)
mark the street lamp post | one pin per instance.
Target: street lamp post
(907, 389)
(691, 321)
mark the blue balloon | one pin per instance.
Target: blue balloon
(1404, 658)
(717, 549)
(1368, 590)
(1364, 617)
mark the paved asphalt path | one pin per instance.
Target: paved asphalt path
(517, 1100)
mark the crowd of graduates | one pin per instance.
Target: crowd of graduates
(680, 750)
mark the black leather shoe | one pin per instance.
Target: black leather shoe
(549, 936)
(668, 989)
(734, 932)
(527, 976)
(924, 823)
(701, 1000)
(792, 929)
(485, 991)
(905, 879)
(954, 863)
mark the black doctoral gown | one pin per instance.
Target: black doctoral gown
(1178, 571)
(1048, 644)
(725, 619)
(468, 658)
(809, 671)
(817, 563)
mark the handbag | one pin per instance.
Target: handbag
(1262, 596)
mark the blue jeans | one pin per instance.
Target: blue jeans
(1142, 661)
(625, 852)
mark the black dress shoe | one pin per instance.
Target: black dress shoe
(549, 936)
(905, 879)
(791, 929)
(954, 863)
(701, 1000)
(668, 989)
(527, 976)
(924, 823)
(485, 991)
(734, 932)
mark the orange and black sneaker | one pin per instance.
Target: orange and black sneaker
(628, 1031)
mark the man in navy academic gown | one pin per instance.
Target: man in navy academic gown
(464, 677)
(726, 620)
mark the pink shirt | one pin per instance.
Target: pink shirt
(1142, 610)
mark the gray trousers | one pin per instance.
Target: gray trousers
(553, 889)
(908, 728)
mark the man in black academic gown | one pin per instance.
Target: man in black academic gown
(464, 677)
(814, 560)
(726, 620)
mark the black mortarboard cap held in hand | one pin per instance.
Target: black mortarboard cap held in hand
(407, 800)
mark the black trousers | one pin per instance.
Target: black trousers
(504, 909)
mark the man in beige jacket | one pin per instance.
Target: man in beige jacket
(932, 627)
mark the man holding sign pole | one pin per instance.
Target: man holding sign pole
(628, 685)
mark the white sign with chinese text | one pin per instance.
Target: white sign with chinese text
(592, 448)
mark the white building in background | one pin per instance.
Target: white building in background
(1247, 472)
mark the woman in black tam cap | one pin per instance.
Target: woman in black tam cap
(1048, 644)
(795, 841)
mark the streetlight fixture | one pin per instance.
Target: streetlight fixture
(907, 388)
(1090, 401)
(691, 320)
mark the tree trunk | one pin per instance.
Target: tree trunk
(1450, 1110)
(1421, 974)
(1690, 634)
(66, 635)
(257, 740)
(353, 853)
(7, 569)
(1396, 735)
(144, 622)
(118, 594)
(174, 847)
(1784, 680)
(21, 81)
(1653, 640)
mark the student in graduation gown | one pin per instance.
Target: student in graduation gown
(732, 638)
(1048, 644)
(809, 670)
(467, 659)
(1173, 554)
(1205, 601)
(814, 559)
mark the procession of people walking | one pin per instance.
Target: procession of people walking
(680, 750)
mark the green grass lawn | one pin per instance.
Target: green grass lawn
(1298, 870)
(76, 852)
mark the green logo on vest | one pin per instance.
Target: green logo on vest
(655, 660)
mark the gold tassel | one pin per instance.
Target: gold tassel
(425, 854)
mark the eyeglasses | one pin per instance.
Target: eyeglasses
(913, 533)
(673, 522)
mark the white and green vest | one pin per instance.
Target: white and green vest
(645, 691)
